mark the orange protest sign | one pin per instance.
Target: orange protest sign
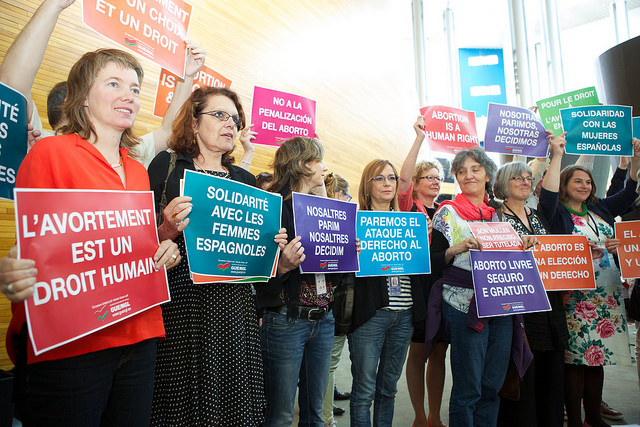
(155, 29)
(167, 83)
(564, 262)
(496, 236)
(629, 250)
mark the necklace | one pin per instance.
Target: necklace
(117, 165)
(593, 228)
(221, 174)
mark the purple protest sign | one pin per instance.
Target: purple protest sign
(514, 130)
(277, 116)
(507, 282)
(327, 228)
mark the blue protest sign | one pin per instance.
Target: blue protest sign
(231, 227)
(636, 127)
(13, 137)
(514, 130)
(392, 243)
(507, 282)
(327, 228)
(598, 130)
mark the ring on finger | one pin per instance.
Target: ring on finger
(10, 289)
(174, 256)
(178, 223)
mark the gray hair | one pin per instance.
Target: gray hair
(480, 156)
(504, 175)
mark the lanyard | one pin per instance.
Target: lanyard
(593, 228)
(529, 229)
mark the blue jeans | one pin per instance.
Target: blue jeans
(296, 353)
(378, 350)
(112, 387)
(479, 362)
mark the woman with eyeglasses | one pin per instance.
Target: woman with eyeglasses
(595, 318)
(383, 315)
(209, 368)
(418, 188)
(480, 348)
(541, 389)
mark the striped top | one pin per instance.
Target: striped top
(404, 300)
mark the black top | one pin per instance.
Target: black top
(287, 287)
(158, 172)
(546, 330)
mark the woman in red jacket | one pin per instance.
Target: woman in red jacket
(106, 377)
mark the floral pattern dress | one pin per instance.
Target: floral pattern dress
(596, 318)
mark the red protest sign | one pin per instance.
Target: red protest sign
(277, 116)
(449, 129)
(167, 83)
(496, 236)
(629, 250)
(564, 262)
(154, 29)
(94, 254)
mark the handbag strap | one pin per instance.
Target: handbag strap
(163, 198)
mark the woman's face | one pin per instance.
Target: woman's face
(318, 169)
(427, 187)
(113, 99)
(212, 133)
(341, 195)
(579, 187)
(519, 186)
(472, 177)
(384, 190)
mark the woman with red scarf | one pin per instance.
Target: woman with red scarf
(480, 349)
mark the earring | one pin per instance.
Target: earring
(195, 138)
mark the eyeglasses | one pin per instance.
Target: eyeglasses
(431, 178)
(223, 116)
(522, 178)
(380, 178)
(348, 197)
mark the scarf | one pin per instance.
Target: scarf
(468, 211)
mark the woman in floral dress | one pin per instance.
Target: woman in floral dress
(597, 329)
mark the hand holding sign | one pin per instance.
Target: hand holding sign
(291, 257)
(175, 217)
(17, 276)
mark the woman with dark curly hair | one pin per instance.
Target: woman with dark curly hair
(595, 318)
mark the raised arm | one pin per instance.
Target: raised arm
(635, 160)
(551, 180)
(195, 60)
(24, 57)
(406, 172)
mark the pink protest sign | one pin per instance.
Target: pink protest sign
(449, 129)
(496, 235)
(94, 253)
(277, 116)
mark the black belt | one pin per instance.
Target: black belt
(310, 313)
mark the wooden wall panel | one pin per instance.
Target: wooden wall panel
(355, 58)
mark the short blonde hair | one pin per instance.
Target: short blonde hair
(420, 168)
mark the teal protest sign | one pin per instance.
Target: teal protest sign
(636, 127)
(549, 108)
(231, 229)
(598, 130)
(13, 137)
(392, 243)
